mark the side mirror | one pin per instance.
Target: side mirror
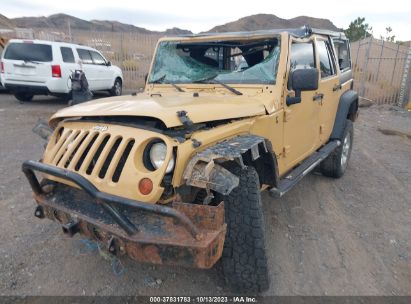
(108, 63)
(302, 80)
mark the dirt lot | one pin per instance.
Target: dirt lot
(326, 237)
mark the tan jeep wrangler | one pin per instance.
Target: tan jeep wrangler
(174, 175)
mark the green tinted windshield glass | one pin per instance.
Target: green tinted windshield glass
(229, 62)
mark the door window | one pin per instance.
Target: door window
(326, 63)
(302, 56)
(85, 56)
(97, 58)
(342, 51)
(67, 54)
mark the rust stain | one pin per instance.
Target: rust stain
(158, 241)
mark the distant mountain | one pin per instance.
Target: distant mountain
(62, 21)
(177, 31)
(249, 23)
(268, 21)
(6, 23)
(115, 26)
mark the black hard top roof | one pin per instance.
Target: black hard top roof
(301, 32)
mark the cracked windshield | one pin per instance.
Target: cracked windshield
(235, 62)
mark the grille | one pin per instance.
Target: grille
(92, 153)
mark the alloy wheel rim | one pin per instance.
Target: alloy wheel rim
(118, 88)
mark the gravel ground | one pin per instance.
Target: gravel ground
(349, 236)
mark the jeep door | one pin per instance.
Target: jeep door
(301, 120)
(329, 86)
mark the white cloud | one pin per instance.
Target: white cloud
(201, 16)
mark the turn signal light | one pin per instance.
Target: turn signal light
(2, 67)
(145, 186)
(56, 71)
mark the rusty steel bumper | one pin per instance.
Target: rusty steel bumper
(182, 234)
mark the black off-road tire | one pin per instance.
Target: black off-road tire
(117, 88)
(334, 165)
(244, 258)
(23, 96)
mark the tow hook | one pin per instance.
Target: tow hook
(111, 245)
(39, 212)
(71, 228)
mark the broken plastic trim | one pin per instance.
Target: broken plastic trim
(204, 171)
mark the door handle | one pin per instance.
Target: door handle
(318, 96)
(337, 87)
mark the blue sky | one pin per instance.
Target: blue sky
(201, 16)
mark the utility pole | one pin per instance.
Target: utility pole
(365, 68)
(404, 81)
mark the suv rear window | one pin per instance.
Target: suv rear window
(67, 54)
(29, 52)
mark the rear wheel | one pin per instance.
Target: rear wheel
(117, 88)
(244, 259)
(23, 96)
(336, 163)
(67, 97)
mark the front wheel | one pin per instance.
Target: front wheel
(23, 96)
(336, 163)
(116, 90)
(244, 258)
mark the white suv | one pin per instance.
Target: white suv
(38, 67)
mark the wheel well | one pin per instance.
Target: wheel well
(210, 168)
(119, 78)
(353, 111)
(265, 165)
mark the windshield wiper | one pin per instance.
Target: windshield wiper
(175, 86)
(31, 61)
(213, 80)
(161, 80)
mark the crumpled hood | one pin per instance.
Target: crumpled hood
(206, 107)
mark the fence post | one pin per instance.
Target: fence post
(365, 70)
(395, 63)
(404, 81)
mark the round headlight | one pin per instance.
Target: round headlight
(158, 154)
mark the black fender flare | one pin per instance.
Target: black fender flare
(206, 169)
(347, 108)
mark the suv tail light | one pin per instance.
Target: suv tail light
(1, 66)
(56, 71)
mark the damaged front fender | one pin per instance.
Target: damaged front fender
(211, 176)
(205, 170)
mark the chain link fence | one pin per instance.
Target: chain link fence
(381, 70)
(132, 52)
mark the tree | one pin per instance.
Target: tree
(358, 29)
(389, 37)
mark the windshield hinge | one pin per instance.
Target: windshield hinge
(287, 115)
(185, 120)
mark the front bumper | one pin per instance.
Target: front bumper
(183, 234)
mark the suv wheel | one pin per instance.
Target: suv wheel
(336, 163)
(117, 88)
(23, 96)
(244, 259)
